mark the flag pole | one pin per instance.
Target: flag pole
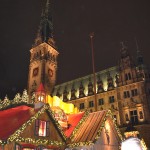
(93, 66)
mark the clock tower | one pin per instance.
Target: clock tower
(43, 59)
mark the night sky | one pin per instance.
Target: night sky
(112, 21)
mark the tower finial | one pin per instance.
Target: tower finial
(123, 46)
(45, 31)
(124, 50)
(140, 60)
(137, 47)
(47, 8)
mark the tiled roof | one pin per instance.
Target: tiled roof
(11, 119)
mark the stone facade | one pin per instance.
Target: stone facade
(125, 89)
(43, 66)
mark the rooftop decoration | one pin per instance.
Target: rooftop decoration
(18, 100)
(15, 135)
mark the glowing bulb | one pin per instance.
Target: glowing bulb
(40, 98)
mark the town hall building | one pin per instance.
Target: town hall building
(66, 116)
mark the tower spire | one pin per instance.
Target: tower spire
(45, 31)
(43, 60)
(137, 47)
(139, 55)
(47, 8)
(124, 50)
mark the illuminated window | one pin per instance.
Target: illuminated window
(134, 117)
(101, 101)
(126, 94)
(82, 106)
(41, 98)
(134, 92)
(42, 128)
(141, 114)
(91, 104)
(111, 99)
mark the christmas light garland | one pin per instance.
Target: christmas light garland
(108, 114)
(5, 103)
(29, 122)
(15, 136)
(132, 132)
(58, 125)
(39, 141)
(89, 143)
(86, 113)
(24, 99)
(143, 144)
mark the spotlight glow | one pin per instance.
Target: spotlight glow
(131, 144)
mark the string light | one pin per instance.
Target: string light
(24, 99)
(16, 136)
(79, 124)
(88, 143)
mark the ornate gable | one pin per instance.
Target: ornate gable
(52, 134)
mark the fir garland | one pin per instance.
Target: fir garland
(108, 114)
(58, 125)
(39, 141)
(18, 99)
(16, 134)
(79, 124)
(80, 144)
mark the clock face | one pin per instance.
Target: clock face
(50, 72)
(35, 72)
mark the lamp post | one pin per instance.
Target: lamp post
(93, 66)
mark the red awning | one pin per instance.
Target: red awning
(73, 121)
(11, 119)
